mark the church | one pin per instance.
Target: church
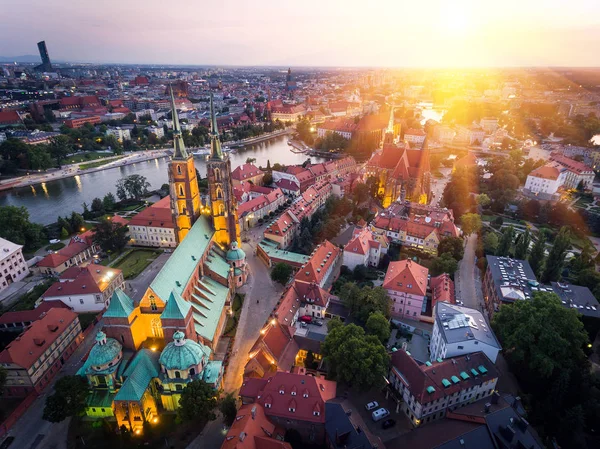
(148, 351)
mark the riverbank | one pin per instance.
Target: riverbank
(262, 138)
(72, 170)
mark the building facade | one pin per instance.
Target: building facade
(13, 267)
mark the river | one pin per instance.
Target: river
(45, 202)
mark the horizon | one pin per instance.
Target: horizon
(388, 34)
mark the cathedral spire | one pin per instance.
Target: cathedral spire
(179, 146)
(390, 127)
(215, 143)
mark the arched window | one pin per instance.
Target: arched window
(221, 209)
(192, 371)
(156, 328)
(153, 305)
(219, 194)
(179, 169)
(217, 173)
(180, 190)
(177, 375)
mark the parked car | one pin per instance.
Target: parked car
(303, 324)
(388, 423)
(306, 319)
(317, 322)
(54, 241)
(372, 405)
(380, 413)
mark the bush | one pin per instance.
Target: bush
(281, 273)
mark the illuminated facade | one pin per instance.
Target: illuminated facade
(222, 199)
(183, 185)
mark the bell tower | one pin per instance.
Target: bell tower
(183, 185)
(222, 202)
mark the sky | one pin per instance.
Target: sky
(386, 33)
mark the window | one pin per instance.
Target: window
(180, 190)
(292, 409)
(179, 169)
(177, 375)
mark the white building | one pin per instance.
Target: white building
(362, 249)
(416, 137)
(430, 389)
(577, 172)
(444, 134)
(459, 330)
(489, 124)
(13, 267)
(158, 131)
(187, 126)
(112, 116)
(546, 179)
(86, 289)
(119, 133)
(154, 226)
(146, 112)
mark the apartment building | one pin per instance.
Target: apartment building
(13, 267)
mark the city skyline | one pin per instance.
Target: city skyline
(390, 34)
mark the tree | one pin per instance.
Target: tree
(354, 358)
(483, 200)
(198, 401)
(97, 206)
(64, 234)
(69, 398)
(309, 361)
(379, 326)
(506, 242)
(132, 187)
(250, 160)
(522, 244)
(113, 144)
(538, 253)
(228, 408)
(333, 323)
(109, 202)
(39, 157)
(111, 236)
(361, 193)
(556, 256)
(60, 147)
(443, 264)
(268, 179)
(470, 223)
(16, 227)
(544, 342)
(281, 273)
(76, 222)
(490, 243)
(362, 302)
(452, 245)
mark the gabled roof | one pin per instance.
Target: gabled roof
(121, 305)
(251, 429)
(75, 280)
(176, 308)
(406, 276)
(245, 171)
(157, 215)
(142, 369)
(320, 260)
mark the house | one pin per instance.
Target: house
(85, 289)
(250, 212)
(577, 172)
(33, 359)
(442, 289)
(546, 180)
(251, 429)
(415, 137)
(154, 226)
(321, 265)
(13, 266)
(432, 389)
(292, 401)
(9, 117)
(362, 249)
(120, 134)
(18, 321)
(79, 251)
(459, 330)
(507, 280)
(247, 173)
(288, 113)
(283, 229)
(288, 187)
(342, 126)
(406, 284)
(577, 297)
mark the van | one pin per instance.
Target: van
(380, 413)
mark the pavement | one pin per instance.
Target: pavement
(467, 280)
(33, 432)
(136, 288)
(439, 184)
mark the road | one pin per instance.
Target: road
(467, 278)
(31, 431)
(136, 288)
(439, 184)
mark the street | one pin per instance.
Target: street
(467, 280)
(136, 288)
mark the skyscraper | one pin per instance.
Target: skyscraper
(46, 65)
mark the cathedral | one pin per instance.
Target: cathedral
(149, 350)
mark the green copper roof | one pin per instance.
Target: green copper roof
(212, 372)
(271, 249)
(215, 143)
(179, 147)
(102, 354)
(455, 379)
(142, 369)
(180, 267)
(237, 272)
(177, 308)
(217, 264)
(183, 355)
(235, 253)
(208, 300)
(120, 305)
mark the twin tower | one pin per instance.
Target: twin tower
(185, 194)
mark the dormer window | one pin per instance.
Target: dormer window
(305, 395)
(267, 405)
(291, 409)
(281, 391)
(316, 413)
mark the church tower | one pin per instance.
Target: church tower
(390, 134)
(222, 201)
(183, 185)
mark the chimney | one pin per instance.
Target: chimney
(253, 412)
(487, 407)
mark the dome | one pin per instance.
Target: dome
(181, 353)
(104, 351)
(235, 253)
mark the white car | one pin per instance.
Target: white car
(380, 413)
(372, 405)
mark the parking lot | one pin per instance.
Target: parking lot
(356, 401)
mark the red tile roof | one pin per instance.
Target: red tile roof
(546, 172)
(157, 215)
(252, 430)
(9, 117)
(246, 171)
(75, 280)
(406, 276)
(27, 348)
(64, 254)
(286, 184)
(571, 164)
(304, 394)
(25, 316)
(442, 289)
(322, 258)
(361, 242)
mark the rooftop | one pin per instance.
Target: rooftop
(513, 278)
(458, 323)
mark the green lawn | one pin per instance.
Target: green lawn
(135, 262)
(97, 164)
(83, 157)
